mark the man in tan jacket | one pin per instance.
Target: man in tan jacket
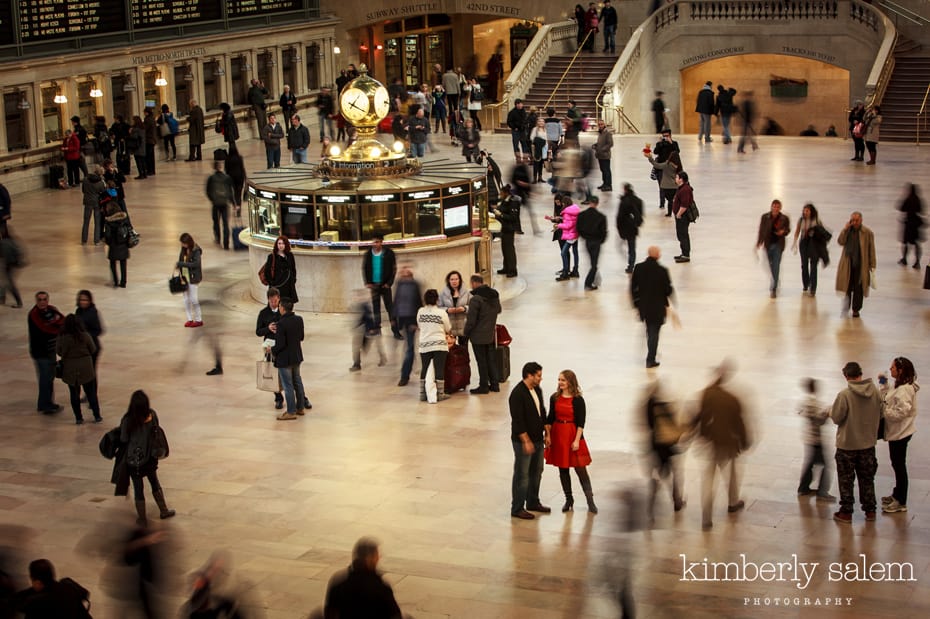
(857, 262)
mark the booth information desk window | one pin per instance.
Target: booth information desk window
(263, 213)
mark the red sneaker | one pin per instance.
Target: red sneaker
(197, 323)
(189, 323)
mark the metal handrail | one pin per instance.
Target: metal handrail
(567, 69)
(923, 113)
(883, 78)
(906, 13)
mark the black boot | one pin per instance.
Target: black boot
(586, 486)
(591, 506)
(569, 503)
(140, 511)
(164, 512)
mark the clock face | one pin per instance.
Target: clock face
(355, 104)
(382, 102)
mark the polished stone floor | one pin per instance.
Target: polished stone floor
(432, 482)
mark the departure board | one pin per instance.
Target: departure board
(6, 24)
(243, 8)
(42, 20)
(157, 13)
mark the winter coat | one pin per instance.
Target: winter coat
(92, 186)
(629, 216)
(866, 260)
(282, 274)
(77, 358)
(669, 169)
(192, 264)
(272, 136)
(650, 289)
(483, 309)
(72, 148)
(151, 130)
(721, 424)
(116, 231)
(196, 132)
(873, 123)
(899, 408)
(705, 101)
(137, 134)
(604, 144)
(856, 413)
(568, 225)
(447, 301)
(433, 324)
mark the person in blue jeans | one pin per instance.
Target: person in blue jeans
(528, 435)
(287, 358)
(45, 323)
(773, 228)
(298, 140)
(407, 301)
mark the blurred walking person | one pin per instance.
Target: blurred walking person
(138, 430)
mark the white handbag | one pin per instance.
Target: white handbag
(266, 376)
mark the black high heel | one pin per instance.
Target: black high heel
(569, 504)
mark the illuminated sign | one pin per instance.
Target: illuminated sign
(420, 195)
(296, 210)
(380, 197)
(293, 197)
(455, 190)
(478, 184)
(336, 199)
(268, 194)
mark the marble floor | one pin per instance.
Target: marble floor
(432, 482)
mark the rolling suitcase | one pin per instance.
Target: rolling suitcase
(502, 359)
(55, 174)
(458, 369)
(123, 163)
(236, 229)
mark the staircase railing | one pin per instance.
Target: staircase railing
(922, 115)
(611, 113)
(550, 39)
(878, 79)
(617, 81)
(884, 77)
(571, 63)
(903, 12)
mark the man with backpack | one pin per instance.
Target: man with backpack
(48, 598)
(220, 193)
(629, 219)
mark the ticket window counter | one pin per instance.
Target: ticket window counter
(263, 212)
(480, 207)
(383, 214)
(298, 217)
(338, 217)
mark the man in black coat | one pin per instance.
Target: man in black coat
(267, 325)
(298, 140)
(480, 329)
(287, 358)
(528, 435)
(508, 214)
(516, 121)
(48, 598)
(651, 288)
(592, 227)
(379, 267)
(629, 219)
(705, 108)
(360, 591)
(45, 322)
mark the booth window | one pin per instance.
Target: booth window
(313, 67)
(87, 107)
(263, 215)
(182, 92)
(240, 83)
(385, 218)
(266, 71)
(51, 116)
(338, 222)
(16, 137)
(211, 86)
(152, 98)
(121, 104)
(423, 217)
(289, 69)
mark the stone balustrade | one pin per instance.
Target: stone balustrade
(551, 39)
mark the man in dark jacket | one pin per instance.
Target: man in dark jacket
(528, 435)
(602, 150)
(227, 125)
(684, 198)
(725, 109)
(298, 140)
(661, 151)
(196, 132)
(288, 103)
(658, 113)
(45, 322)
(609, 22)
(360, 591)
(407, 301)
(379, 267)
(650, 289)
(326, 107)
(151, 139)
(516, 121)
(288, 356)
(508, 213)
(705, 108)
(267, 325)
(629, 219)
(592, 227)
(256, 96)
(480, 329)
(220, 193)
(272, 134)
(773, 228)
(48, 598)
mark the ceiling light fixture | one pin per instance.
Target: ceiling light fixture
(23, 102)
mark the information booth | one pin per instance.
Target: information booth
(435, 220)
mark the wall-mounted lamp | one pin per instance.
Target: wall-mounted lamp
(59, 97)
(296, 55)
(189, 74)
(245, 64)
(379, 47)
(271, 62)
(23, 102)
(128, 86)
(220, 71)
(336, 50)
(95, 92)
(363, 47)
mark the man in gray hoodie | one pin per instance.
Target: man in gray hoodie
(856, 412)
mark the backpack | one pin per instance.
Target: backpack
(123, 233)
(477, 94)
(693, 213)
(173, 124)
(109, 444)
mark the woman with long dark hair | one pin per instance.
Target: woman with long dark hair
(454, 298)
(137, 432)
(76, 349)
(811, 246)
(189, 261)
(900, 413)
(281, 270)
(565, 444)
(87, 313)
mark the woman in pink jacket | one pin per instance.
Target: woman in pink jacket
(567, 222)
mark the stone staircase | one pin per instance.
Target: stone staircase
(904, 94)
(581, 84)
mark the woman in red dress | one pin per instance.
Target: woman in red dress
(565, 445)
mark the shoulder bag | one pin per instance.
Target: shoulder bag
(266, 375)
(177, 283)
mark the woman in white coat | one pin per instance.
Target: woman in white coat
(900, 413)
